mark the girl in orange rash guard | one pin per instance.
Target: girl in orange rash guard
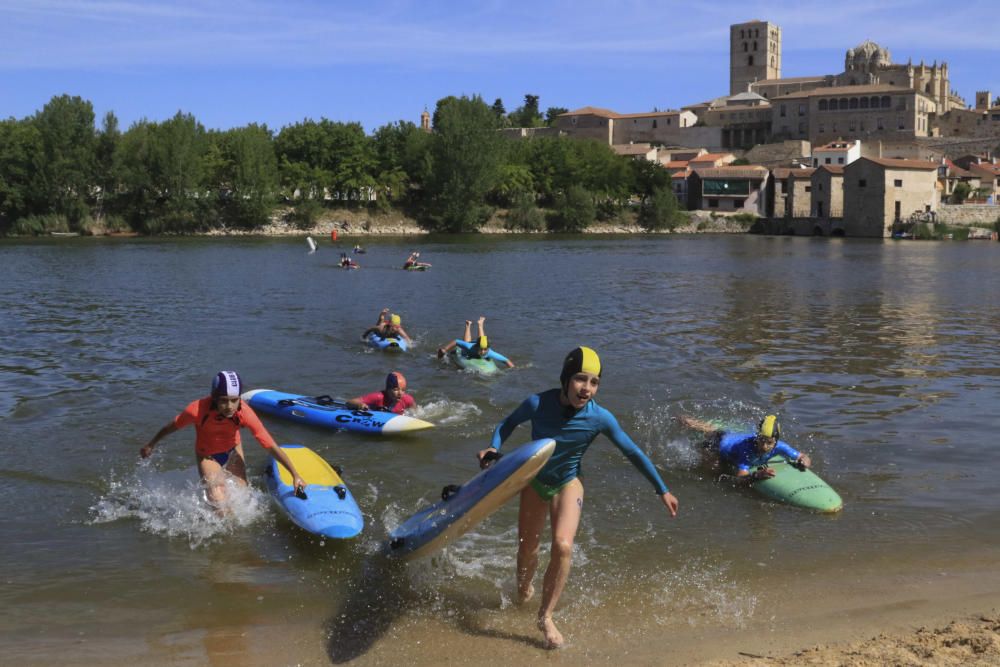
(217, 420)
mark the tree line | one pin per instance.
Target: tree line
(59, 171)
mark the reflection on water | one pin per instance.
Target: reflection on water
(878, 357)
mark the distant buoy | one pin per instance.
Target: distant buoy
(333, 235)
(312, 244)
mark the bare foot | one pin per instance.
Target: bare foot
(525, 595)
(553, 638)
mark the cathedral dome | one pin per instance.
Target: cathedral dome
(868, 54)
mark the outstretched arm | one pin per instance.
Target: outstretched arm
(279, 454)
(380, 320)
(445, 349)
(482, 325)
(147, 450)
(405, 336)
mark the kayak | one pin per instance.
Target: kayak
(330, 413)
(462, 507)
(418, 267)
(326, 507)
(481, 366)
(387, 344)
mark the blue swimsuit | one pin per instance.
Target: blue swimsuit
(467, 351)
(573, 436)
(738, 450)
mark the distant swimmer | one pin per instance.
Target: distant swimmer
(745, 451)
(412, 262)
(358, 250)
(391, 399)
(217, 420)
(571, 417)
(475, 349)
(348, 263)
(387, 326)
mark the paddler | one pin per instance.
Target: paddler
(571, 417)
(391, 399)
(477, 349)
(387, 326)
(747, 453)
(217, 420)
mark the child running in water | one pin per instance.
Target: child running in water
(217, 420)
(571, 417)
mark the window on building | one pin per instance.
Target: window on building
(897, 183)
(822, 128)
(573, 120)
(840, 160)
(746, 47)
(879, 124)
(864, 102)
(843, 103)
(852, 125)
(713, 203)
(886, 102)
(802, 109)
(755, 46)
(808, 188)
(862, 183)
(901, 123)
(853, 103)
(749, 60)
(781, 111)
(827, 160)
(654, 123)
(874, 103)
(738, 203)
(822, 105)
(802, 127)
(819, 187)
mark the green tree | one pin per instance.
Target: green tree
(21, 153)
(660, 211)
(466, 152)
(66, 127)
(552, 113)
(524, 215)
(245, 174)
(573, 211)
(527, 115)
(648, 178)
(961, 192)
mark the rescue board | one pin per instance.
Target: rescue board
(461, 508)
(327, 507)
(330, 413)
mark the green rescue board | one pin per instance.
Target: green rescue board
(801, 488)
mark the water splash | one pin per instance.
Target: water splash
(172, 504)
(444, 411)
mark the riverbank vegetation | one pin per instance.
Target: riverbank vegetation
(59, 172)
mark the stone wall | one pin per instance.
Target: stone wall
(968, 215)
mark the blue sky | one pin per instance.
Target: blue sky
(379, 61)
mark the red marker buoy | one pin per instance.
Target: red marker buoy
(333, 235)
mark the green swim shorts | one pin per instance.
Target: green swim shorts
(545, 491)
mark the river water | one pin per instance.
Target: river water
(879, 358)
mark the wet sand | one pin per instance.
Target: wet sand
(938, 618)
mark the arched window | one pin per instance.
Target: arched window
(854, 103)
(749, 60)
(864, 102)
(742, 35)
(843, 104)
(886, 102)
(874, 103)
(755, 45)
(822, 105)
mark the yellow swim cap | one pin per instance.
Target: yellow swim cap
(580, 360)
(396, 319)
(769, 427)
(484, 343)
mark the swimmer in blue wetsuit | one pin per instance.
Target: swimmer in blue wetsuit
(744, 451)
(572, 418)
(478, 349)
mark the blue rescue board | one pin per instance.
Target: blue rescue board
(330, 413)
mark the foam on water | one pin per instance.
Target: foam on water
(172, 504)
(444, 411)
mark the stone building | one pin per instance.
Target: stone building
(731, 189)
(665, 128)
(879, 192)
(798, 193)
(837, 152)
(828, 191)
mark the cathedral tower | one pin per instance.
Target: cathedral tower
(754, 54)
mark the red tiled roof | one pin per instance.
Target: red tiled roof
(709, 157)
(676, 164)
(801, 173)
(593, 111)
(781, 173)
(832, 168)
(894, 163)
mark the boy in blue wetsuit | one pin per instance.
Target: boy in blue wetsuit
(571, 417)
(746, 451)
(478, 349)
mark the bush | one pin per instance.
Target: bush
(39, 225)
(305, 214)
(524, 216)
(660, 211)
(573, 210)
(745, 220)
